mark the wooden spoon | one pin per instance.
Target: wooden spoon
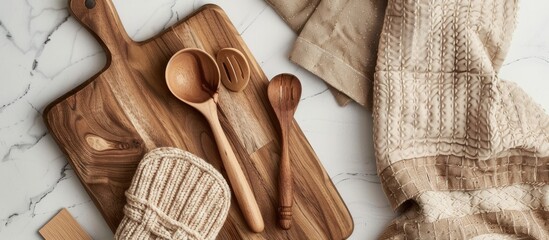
(284, 93)
(193, 77)
(235, 71)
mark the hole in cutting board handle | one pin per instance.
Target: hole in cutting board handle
(89, 4)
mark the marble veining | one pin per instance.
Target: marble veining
(44, 53)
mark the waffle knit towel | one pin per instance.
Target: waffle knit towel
(174, 195)
(462, 152)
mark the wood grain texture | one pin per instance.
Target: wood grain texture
(63, 227)
(107, 124)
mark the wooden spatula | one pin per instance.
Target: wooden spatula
(63, 227)
(284, 93)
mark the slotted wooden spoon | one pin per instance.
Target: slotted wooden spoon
(284, 93)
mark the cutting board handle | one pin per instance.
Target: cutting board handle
(101, 19)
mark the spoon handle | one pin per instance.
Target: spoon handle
(285, 185)
(241, 188)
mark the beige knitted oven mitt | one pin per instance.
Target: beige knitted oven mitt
(174, 195)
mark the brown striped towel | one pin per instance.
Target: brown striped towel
(463, 153)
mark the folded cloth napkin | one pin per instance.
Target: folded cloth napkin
(174, 195)
(463, 153)
(337, 42)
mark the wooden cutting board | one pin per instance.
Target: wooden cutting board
(107, 124)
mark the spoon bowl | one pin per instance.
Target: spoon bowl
(284, 92)
(234, 69)
(192, 75)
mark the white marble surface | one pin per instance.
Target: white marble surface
(44, 53)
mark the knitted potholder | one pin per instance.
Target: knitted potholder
(174, 195)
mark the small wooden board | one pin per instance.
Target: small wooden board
(107, 124)
(63, 227)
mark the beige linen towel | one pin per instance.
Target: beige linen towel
(337, 41)
(463, 153)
